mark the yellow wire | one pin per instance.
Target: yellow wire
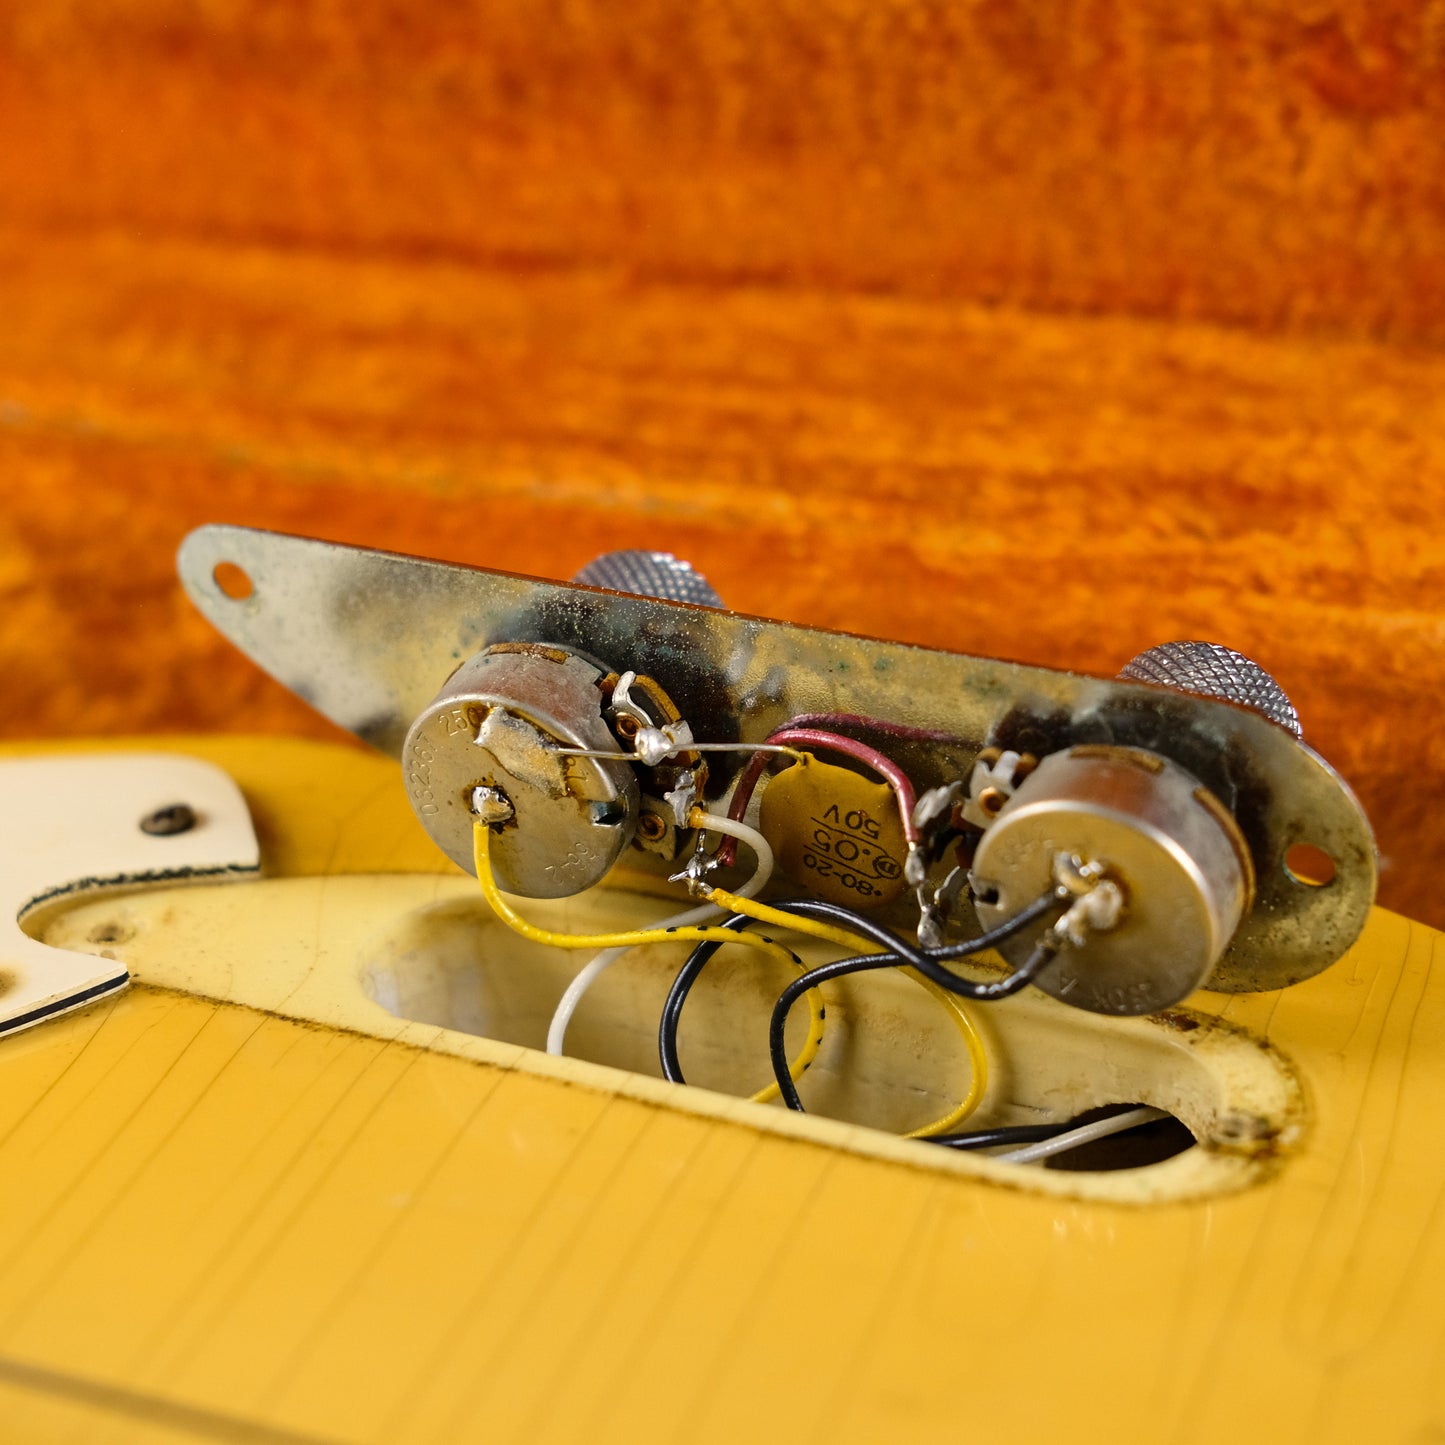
(851, 941)
(699, 933)
(976, 1057)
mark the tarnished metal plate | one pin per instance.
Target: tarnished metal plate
(367, 638)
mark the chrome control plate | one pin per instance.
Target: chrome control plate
(368, 637)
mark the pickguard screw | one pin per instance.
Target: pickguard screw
(173, 818)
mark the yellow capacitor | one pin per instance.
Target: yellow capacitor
(835, 833)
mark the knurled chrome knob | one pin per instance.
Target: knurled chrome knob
(1214, 671)
(650, 574)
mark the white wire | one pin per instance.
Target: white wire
(706, 913)
(1084, 1134)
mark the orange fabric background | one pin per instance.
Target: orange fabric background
(1047, 330)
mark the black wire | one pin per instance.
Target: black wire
(896, 951)
(778, 1024)
(1013, 1133)
(677, 996)
(928, 960)
(1037, 961)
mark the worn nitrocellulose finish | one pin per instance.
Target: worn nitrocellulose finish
(218, 1221)
(1049, 330)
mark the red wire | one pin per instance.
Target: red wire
(803, 737)
(874, 724)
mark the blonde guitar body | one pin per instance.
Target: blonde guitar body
(307, 1179)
